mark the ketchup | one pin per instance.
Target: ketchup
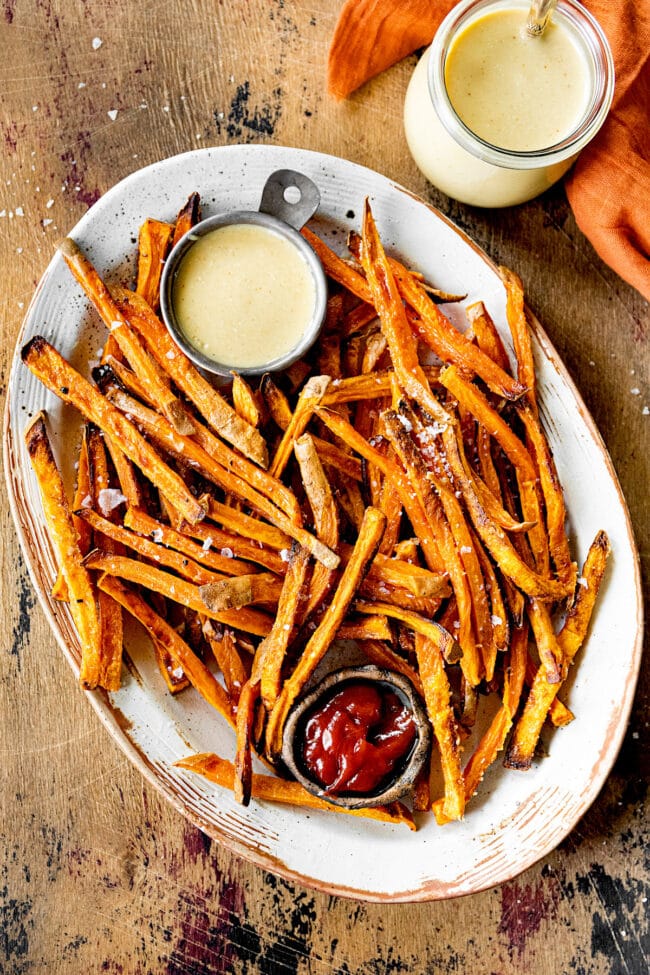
(353, 742)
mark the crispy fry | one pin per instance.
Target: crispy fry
(59, 376)
(163, 535)
(81, 596)
(364, 551)
(516, 315)
(394, 324)
(243, 778)
(433, 631)
(110, 613)
(153, 243)
(570, 638)
(219, 414)
(341, 428)
(243, 399)
(187, 449)
(81, 496)
(325, 514)
(196, 671)
(493, 536)
(188, 216)
(311, 395)
(178, 590)
(270, 655)
(129, 342)
(487, 335)
(271, 789)
(437, 695)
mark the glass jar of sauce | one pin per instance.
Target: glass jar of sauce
(494, 116)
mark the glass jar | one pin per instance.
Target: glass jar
(467, 167)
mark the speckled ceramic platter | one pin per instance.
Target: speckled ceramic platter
(518, 817)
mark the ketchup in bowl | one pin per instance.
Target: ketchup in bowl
(358, 738)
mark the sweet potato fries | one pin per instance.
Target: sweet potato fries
(407, 501)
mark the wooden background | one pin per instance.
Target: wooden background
(97, 873)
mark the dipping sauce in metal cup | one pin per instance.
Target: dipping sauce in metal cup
(494, 116)
(243, 291)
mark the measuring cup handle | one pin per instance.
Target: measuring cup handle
(303, 197)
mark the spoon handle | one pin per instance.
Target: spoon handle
(538, 16)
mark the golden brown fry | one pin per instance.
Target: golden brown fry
(432, 630)
(271, 789)
(493, 536)
(440, 507)
(311, 395)
(325, 515)
(220, 416)
(341, 428)
(81, 596)
(270, 655)
(548, 648)
(188, 216)
(559, 713)
(394, 324)
(59, 376)
(570, 638)
(189, 450)
(178, 590)
(153, 244)
(246, 708)
(110, 613)
(81, 496)
(565, 567)
(163, 535)
(437, 696)
(487, 335)
(364, 551)
(128, 340)
(244, 401)
(158, 628)
(516, 315)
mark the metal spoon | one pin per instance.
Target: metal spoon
(539, 15)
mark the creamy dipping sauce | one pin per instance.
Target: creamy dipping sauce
(243, 296)
(516, 91)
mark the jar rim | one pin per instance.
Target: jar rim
(596, 47)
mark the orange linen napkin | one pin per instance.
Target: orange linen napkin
(609, 188)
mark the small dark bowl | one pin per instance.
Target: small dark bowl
(406, 773)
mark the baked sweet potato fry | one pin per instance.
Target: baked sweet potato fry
(154, 241)
(570, 638)
(60, 377)
(80, 589)
(270, 789)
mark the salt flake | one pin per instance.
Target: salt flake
(97, 43)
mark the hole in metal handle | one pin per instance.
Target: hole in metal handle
(291, 197)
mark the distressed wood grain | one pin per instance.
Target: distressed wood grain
(97, 873)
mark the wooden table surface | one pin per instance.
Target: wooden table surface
(97, 872)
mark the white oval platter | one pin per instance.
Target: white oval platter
(517, 817)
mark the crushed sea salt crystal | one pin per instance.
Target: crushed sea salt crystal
(496, 620)
(109, 499)
(157, 535)
(177, 673)
(285, 554)
(112, 114)
(583, 582)
(227, 553)
(97, 43)
(465, 549)
(406, 423)
(170, 355)
(635, 391)
(115, 325)
(207, 544)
